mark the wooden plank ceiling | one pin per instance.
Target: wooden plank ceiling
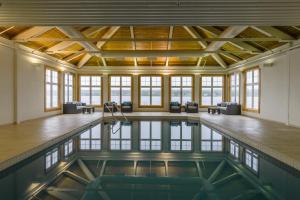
(108, 46)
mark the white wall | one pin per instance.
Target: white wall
(6, 86)
(30, 89)
(280, 89)
(21, 86)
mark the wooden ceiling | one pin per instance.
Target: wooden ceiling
(109, 46)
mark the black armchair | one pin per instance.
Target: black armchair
(126, 106)
(191, 107)
(110, 107)
(175, 107)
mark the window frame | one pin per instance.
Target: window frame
(120, 139)
(50, 153)
(90, 87)
(236, 147)
(68, 85)
(212, 87)
(68, 153)
(151, 138)
(211, 140)
(236, 97)
(192, 87)
(51, 92)
(121, 86)
(252, 156)
(252, 84)
(181, 139)
(161, 87)
(90, 139)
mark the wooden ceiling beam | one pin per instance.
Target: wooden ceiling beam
(34, 31)
(204, 45)
(154, 53)
(133, 44)
(239, 44)
(171, 30)
(271, 31)
(65, 44)
(111, 31)
(72, 32)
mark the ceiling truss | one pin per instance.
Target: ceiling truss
(92, 43)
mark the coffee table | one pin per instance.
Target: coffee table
(213, 110)
(88, 109)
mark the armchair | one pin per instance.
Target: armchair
(191, 107)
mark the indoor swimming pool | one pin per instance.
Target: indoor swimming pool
(150, 159)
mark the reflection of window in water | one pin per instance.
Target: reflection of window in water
(68, 147)
(251, 160)
(91, 139)
(181, 137)
(120, 136)
(51, 158)
(210, 139)
(234, 149)
(150, 135)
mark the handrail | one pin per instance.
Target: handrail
(112, 114)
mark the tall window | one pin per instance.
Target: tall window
(51, 158)
(150, 91)
(150, 135)
(120, 136)
(210, 139)
(181, 137)
(90, 90)
(68, 87)
(235, 88)
(120, 89)
(212, 90)
(52, 89)
(182, 88)
(251, 160)
(252, 89)
(91, 139)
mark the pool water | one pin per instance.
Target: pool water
(157, 159)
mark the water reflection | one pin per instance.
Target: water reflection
(120, 136)
(150, 135)
(181, 136)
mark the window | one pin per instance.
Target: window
(120, 136)
(120, 89)
(251, 160)
(212, 90)
(150, 91)
(181, 137)
(210, 139)
(91, 139)
(51, 158)
(150, 135)
(182, 88)
(235, 88)
(68, 87)
(52, 89)
(90, 90)
(234, 149)
(68, 148)
(252, 89)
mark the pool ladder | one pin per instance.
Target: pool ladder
(114, 117)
